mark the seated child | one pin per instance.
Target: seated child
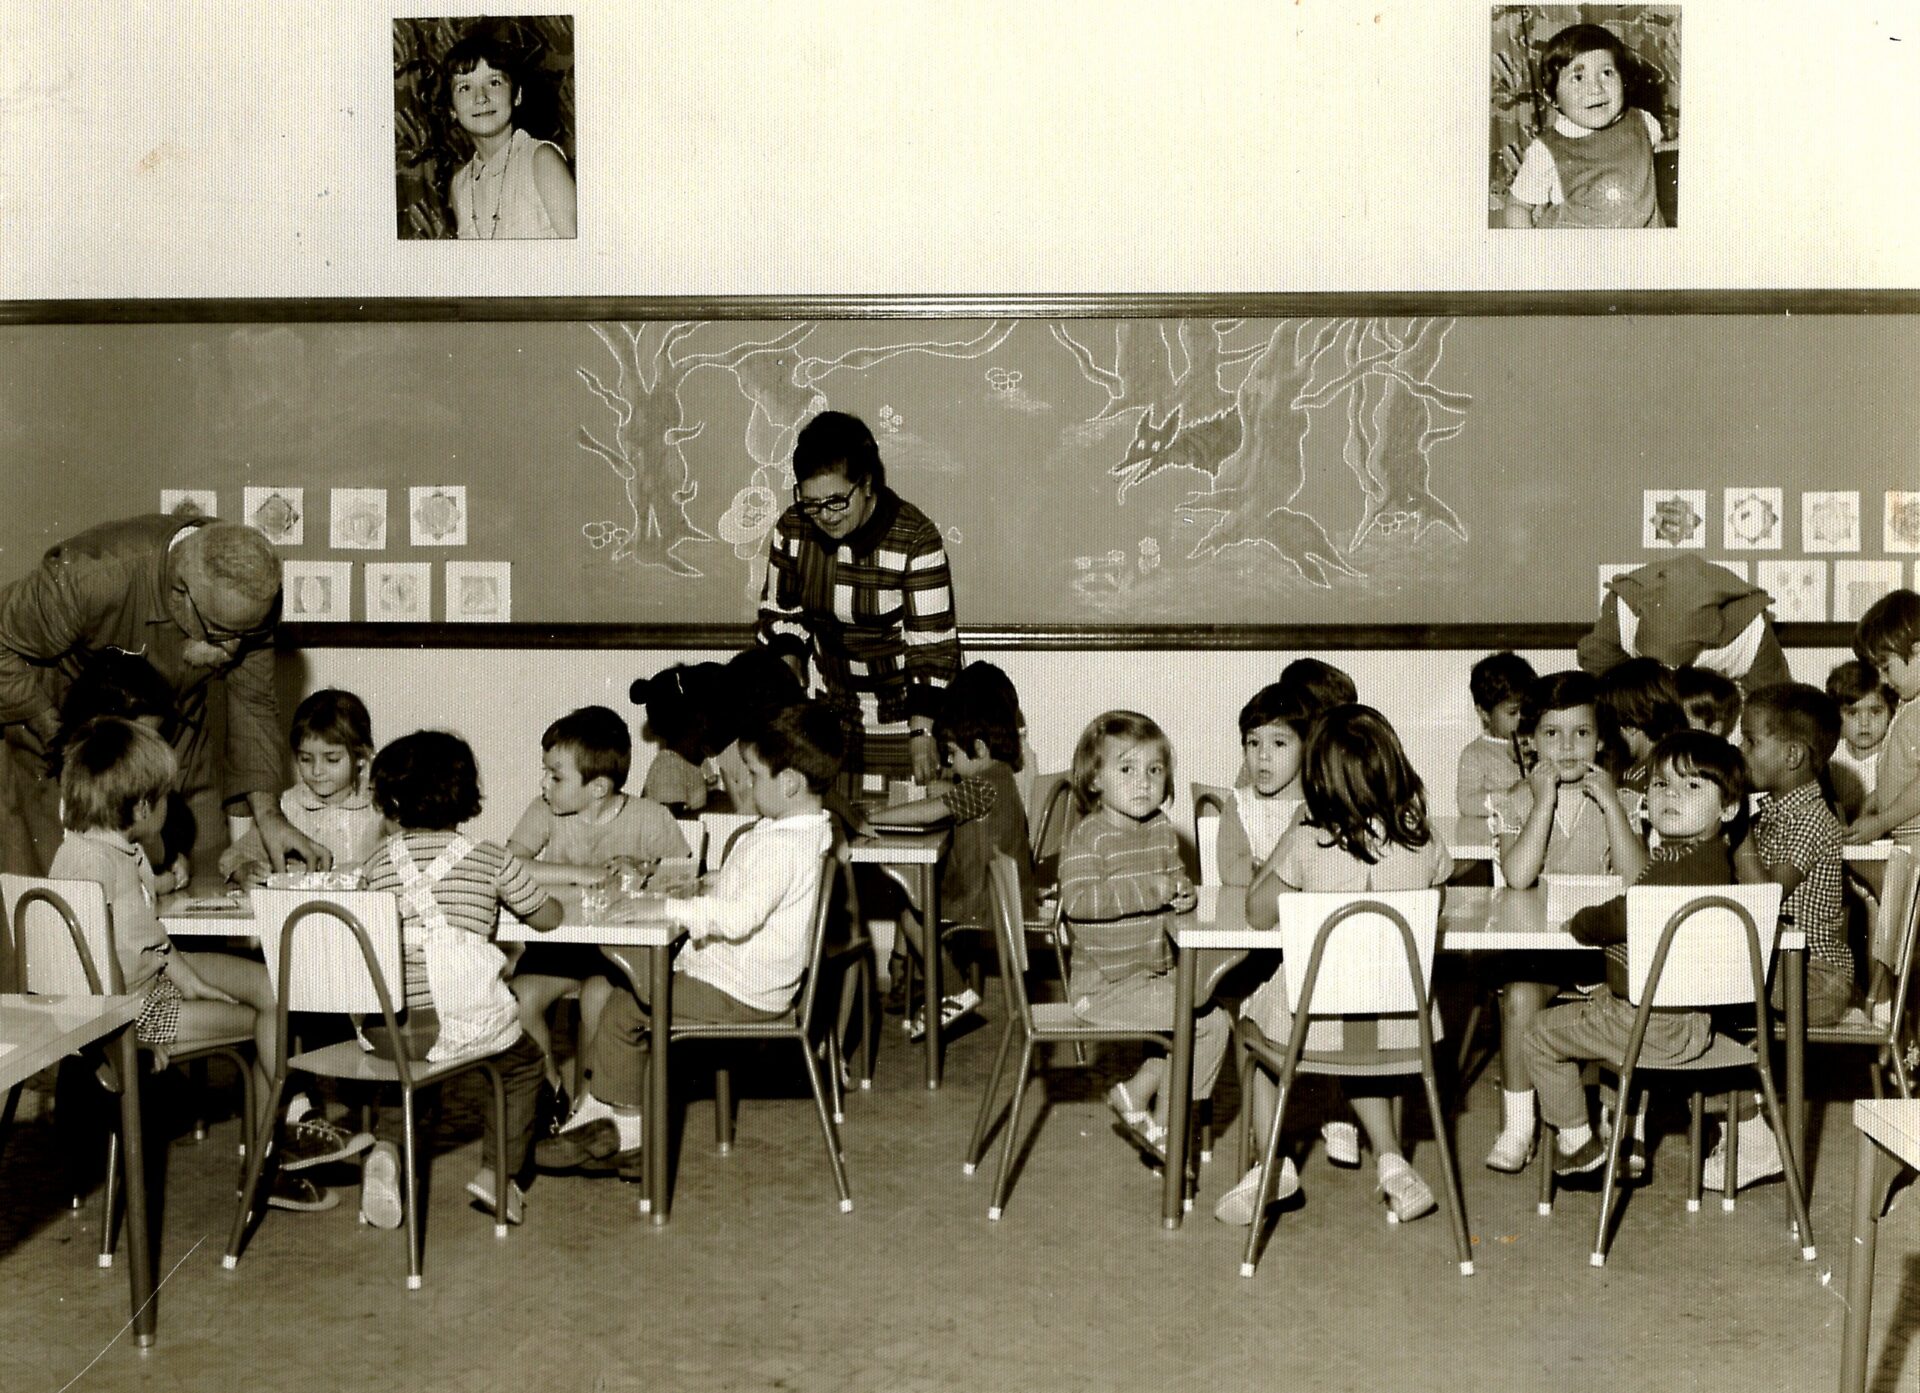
(1591, 163)
(1266, 799)
(114, 780)
(451, 890)
(1866, 710)
(1888, 636)
(1640, 697)
(332, 740)
(994, 682)
(1489, 766)
(1315, 687)
(1710, 699)
(680, 720)
(1121, 881)
(746, 947)
(1365, 828)
(1696, 793)
(977, 732)
(1568, 818)
(1788, 732)
(579, 830)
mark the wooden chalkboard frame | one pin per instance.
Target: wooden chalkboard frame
(1480, 304)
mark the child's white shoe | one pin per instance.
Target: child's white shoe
(1408, 1196)
(1343, 1142)
(1510, 1152)
(1759, 1158)
(1236, 1206)
(380, 1202)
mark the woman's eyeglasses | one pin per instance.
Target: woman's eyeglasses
(220, 636)
(832, 505)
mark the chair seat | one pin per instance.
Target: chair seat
(200, 1047)
(778, 1028)
(347, 1059)
(1390, 1064)
(1724, 1053)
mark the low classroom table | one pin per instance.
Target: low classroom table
(1473, 919)
(1470, 839)
(37, 1030)
(914, 858)
(658, 938)
(1889, 1140)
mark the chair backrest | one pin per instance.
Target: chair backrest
(1048, 827)
(343, 951)
(1700, 945)
(695, 831)
(63, 941)
(721, 830)
(1209, 806)
(1009, 934)
(1352, 950)
(1891, 941)
(832, 871)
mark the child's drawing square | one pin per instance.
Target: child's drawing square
(316, 592)
(1609, 569)
(399, 592)
(359, 520)
(190, 503)
(1901, 527)
(278, 513)
(437, 515)
(479, 592)
(1673, 518)
(1750, 519)
(1857, 584)
(1743, 569)
(1830, 522)
(1799, 589)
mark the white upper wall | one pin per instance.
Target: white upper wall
(745, 147)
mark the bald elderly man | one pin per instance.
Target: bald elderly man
(198, 599)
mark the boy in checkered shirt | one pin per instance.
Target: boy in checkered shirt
(1789, 731)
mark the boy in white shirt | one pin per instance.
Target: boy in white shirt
(747, 935)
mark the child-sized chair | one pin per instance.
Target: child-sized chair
(1365, 954)
(1209, 806)
(62, 934)
(1694, 948)
(1896, 923)
(335, 952)
(796, 1025)
(1029, 1025)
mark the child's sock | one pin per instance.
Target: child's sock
(1571, 1139)
(299, 1107)
(1516, 1110)
(631, 1128)
(589, 1109)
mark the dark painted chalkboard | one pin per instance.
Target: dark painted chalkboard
(1337, 471)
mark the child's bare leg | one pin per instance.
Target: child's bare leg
(536, 993)
(1376, 1119)
(1146, 1087)
(1520, 1003)
(246, 982)
(594, 993)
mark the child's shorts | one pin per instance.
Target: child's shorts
(158, 1023)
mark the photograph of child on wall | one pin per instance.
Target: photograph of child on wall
(1585, 116)
(483, 126)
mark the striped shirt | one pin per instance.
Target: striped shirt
(874, 611)
(1797, 828)
(470, 894)
(1115, 884)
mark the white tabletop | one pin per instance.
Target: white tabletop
(37, 1030)
(210, 917)
(1892, 1122)
(1470, 839)
(1473, 918)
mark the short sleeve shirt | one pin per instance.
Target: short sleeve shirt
(642, 829)
(1578, 844)
(1800, 830)
(1307, 859)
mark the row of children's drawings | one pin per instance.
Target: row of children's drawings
(1800, 587)
(1754, 519)
(321, 592)
(357, 518)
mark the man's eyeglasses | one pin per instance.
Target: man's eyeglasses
(832, 505)
(220, 636)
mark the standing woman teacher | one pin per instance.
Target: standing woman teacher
(857, 582)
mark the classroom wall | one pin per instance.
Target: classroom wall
(840, 146)
(501, 702)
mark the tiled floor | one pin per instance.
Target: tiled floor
(760, 1282)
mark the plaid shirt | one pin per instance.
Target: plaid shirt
(1799, 829)
(874, 611)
